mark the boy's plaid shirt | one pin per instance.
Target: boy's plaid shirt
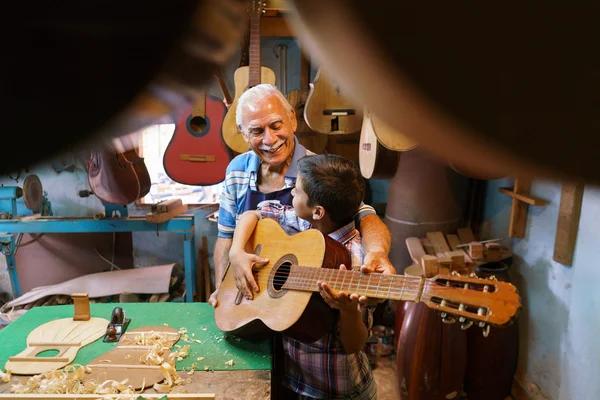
(323, 369)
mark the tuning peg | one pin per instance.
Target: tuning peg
(492, 278)
(454, 273)
(447, 319)
(486, 331)
(466, 325)
(473, 275)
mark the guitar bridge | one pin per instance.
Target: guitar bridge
(197, 158)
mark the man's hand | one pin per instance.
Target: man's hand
(212, 300)
(379, 263)
(243, 264)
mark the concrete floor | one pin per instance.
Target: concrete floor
(385, 376)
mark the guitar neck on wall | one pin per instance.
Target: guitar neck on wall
(246, 77)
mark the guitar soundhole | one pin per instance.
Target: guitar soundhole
(279, 275)
(198, 124)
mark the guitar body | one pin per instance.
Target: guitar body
(189, 156)
(118, 177)
(376, 161)
(389, 137)
(234, 138)
(313, 141)
(302, 315)
(329, 110)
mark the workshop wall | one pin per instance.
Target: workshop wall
(559, 326)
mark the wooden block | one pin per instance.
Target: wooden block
(427, 246)
(493, 252)
(458, 260)
(81, 305)
(444, 258)
(466, 235)
(568, 223)
(453, 241)
(430, 265)
(438, 241)
(475, 250)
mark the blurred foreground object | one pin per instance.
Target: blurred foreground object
(94, 70)
(495, 88)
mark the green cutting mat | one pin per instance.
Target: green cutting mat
(198, 318)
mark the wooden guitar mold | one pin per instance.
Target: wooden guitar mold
(63, 335)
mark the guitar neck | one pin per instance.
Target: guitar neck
(380, 286)
(304, 72)
(254, 64)
(199, 108)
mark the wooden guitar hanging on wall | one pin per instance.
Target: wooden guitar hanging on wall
(196, 154)
(246, 77)
(329, 109)
(314, 141)
(287, 301)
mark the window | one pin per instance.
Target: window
(154, 142)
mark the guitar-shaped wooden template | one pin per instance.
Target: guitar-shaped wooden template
(197, 154)
(288, 281)
(63, 335)
(244, 78)
(328, 108)
(376, 161)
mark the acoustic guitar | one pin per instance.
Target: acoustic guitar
(314, 141)
(117, 174)
(246, 77)
(196, 153)
(328, 108)
(376, 161)
(288, 283)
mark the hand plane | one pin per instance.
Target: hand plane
(117, 326)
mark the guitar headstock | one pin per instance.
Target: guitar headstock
(472, 300)
(257, 8)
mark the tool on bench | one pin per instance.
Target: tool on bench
(165, 210)
(117, 326)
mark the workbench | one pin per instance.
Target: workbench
(249, 376)
(182, 224)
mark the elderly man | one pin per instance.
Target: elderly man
(268, 172)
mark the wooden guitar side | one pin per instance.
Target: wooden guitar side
(234, 138)
(325, 94)
(376, 161)
(288, 311)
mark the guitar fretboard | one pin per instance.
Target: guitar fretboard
(395, 287)
(254, 51)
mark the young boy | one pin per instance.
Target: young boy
(329, 190)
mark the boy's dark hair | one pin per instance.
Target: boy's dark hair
(334, 183)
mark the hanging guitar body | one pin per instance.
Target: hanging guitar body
(118, 177)
(328, 108)
(376, 161)
(197, 154)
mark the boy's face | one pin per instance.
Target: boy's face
(300, 200)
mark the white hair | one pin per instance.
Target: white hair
(254, 95)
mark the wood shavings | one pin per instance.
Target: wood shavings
(200, 358)
(230, 363)
(70, 381)
(171, 378)
(5, 376)
(181, 353)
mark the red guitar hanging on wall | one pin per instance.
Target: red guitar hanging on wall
(197, 154)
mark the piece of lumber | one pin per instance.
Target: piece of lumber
(458, 259)
(427, 246)
(567, 225)
(164, 211)
(525, 198)
(476, 250)
(453, 241)
(438, 241)
(482, 242)
(492, 252)
(415, 248)
(466, 235)
(199, 295)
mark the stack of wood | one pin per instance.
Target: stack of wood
(440, 253)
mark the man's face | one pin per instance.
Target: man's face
(300, 201)
(270, 130)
